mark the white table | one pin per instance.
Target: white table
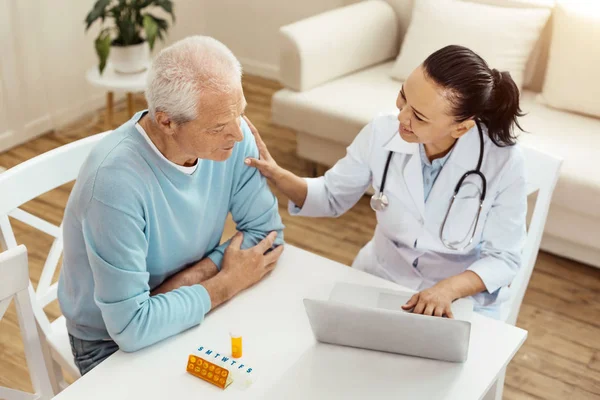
(113, 81)
(277, 336)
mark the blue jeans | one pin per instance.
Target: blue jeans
(89, 353)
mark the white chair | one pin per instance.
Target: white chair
(14, 283)
(542, 172)
(21, 184)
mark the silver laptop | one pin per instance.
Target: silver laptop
(372, 318)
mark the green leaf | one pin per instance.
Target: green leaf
(151, 28)
(166, 5)
(102, 45)
(162, 23)
(98, 11)
(128, 34)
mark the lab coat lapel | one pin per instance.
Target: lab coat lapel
(413, 170)
(462, 159)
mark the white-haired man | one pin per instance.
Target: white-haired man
(142, 227)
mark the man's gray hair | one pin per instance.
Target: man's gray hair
(183, 72)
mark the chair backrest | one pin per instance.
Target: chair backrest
(27, 181)
(14, 283)
(542, 171)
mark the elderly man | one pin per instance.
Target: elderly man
(142, 227)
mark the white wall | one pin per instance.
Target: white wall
(45, 52)
(250, 27)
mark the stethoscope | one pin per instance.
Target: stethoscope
(380, 202)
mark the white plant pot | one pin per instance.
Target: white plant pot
(130, 59)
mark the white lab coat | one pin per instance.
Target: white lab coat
(410, 227)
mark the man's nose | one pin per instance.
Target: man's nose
(237, 133)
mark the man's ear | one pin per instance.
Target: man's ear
(165, 123)
(462, 128)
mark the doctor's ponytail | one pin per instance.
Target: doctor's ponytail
(477, 91)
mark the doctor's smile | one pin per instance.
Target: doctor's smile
(448, 176)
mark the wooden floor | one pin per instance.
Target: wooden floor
(560, 359)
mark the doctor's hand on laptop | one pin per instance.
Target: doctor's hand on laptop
(437, 299)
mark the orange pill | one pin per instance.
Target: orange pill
(236, 346)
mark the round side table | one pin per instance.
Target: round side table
(113, 82)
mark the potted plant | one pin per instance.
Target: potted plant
(131, 33)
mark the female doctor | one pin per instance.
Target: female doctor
(449, 185)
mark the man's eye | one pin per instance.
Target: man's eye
(418, 119)
(217, 130)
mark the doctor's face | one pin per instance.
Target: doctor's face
(425, 113)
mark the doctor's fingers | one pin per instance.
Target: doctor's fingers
(262, 147)
(420, 307)
(256, 163)
(411, 302)
(429, 309)
(439, 311)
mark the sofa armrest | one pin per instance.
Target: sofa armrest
(324, 47)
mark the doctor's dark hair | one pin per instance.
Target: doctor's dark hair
(477, 91)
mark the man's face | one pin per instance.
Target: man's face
(216, 130)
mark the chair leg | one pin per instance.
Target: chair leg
(500, 385)
(491, 394)
(497, 389)
(54, 369)
(59, 376)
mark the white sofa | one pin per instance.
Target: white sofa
(335, 71)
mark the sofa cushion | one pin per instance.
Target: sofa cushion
(572, 77)
(575, 139)
(504, 37)
(536, 66)
(338, 110)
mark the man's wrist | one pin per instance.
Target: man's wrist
(220, 288)
(203, 270)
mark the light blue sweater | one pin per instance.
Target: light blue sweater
(133, 220)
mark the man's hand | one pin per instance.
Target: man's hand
(246, 267)
(241, 269)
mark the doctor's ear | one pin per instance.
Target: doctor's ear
(462, 128)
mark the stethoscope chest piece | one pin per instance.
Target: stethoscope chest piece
(379, 202)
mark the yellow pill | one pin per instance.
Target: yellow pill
(211, 368)
(192, 359)
(197, 369)
(203, 372)
(191, 366)
(205, 365)
(222, 381)
(216, 378)
(217, 370)
(223, 373)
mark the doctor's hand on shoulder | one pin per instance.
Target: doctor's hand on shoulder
(294, 187)
(437, 300)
